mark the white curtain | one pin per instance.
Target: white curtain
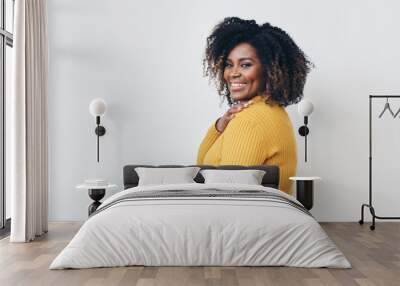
(27, 121)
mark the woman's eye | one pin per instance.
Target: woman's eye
(244, 65)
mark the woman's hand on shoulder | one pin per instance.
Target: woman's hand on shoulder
(223, 121)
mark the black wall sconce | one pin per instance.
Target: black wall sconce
(98, 108)
(305, 108)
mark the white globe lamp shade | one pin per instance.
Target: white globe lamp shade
(97, 107)
(305, 107)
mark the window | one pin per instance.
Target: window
(6, 44)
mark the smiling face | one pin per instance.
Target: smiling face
(243, 73)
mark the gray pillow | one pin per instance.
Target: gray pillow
(248, 177)
(165, 176)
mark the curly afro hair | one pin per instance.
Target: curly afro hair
(284, 65)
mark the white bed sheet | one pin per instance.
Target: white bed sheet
(193, 231)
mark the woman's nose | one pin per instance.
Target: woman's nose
(235, 72)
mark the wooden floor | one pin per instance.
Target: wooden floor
(374, 255)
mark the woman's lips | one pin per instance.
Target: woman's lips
(234, 87)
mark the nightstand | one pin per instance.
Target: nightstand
(96, 193)
(305, 190)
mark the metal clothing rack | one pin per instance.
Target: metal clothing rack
(369, 205)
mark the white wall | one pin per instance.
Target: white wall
(145, 59)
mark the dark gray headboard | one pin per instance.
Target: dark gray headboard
(271, 177)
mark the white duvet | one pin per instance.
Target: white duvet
(200, 231)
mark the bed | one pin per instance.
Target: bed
(201, 224)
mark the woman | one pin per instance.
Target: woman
(259, 70)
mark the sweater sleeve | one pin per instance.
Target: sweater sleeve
(211, 136)
(244, 144)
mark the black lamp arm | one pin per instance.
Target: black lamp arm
(303, 131)
(100, 131)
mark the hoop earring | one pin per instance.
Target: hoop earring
(266, 87)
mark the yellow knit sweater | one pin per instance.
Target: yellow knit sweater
(260, 134)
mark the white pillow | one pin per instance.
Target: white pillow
(249, 177)
(163, 176)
